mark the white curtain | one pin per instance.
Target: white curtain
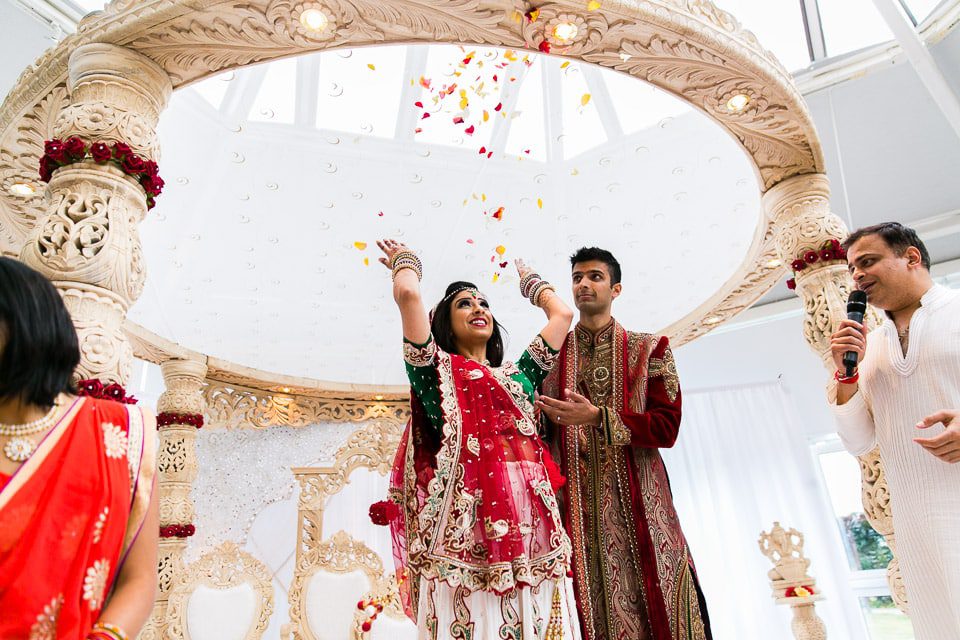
(742, 462)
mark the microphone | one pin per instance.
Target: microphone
(856, 308)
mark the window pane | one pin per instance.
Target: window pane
(884, 620)
(275, 101)
(922, 8)
(849, 25)
(866, 549)
(778, 25)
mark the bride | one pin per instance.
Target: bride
(480, 548)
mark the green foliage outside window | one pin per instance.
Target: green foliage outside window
(870, 548)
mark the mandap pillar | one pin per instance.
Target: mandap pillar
(87, 243)
(180, 413)
(803, 223)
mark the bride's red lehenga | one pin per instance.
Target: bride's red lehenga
(480, 544)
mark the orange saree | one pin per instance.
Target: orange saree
(68, 517)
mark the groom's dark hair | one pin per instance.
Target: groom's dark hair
(587, 254)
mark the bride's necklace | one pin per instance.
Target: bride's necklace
(20, 446)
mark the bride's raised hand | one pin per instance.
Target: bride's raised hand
(390, 249)
(522, 268)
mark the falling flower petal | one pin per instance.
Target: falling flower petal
(498, 107)
(424, 82)
(503, 265)
(498, 214)
(418, 130)
(489, 153)
(426, 114)
(483, 150)
(360, 245)
(469, 130)
(565, 64)
(483, 197)
(496, 277)
(593, 5)
(486, 115)
(418, 104)
(526, 151)
(539, 203)
(380, 214)
(457, 120)
(366, 262)
(584, 99)
(469, 240)
(371, 67)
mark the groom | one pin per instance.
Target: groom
(613, 400)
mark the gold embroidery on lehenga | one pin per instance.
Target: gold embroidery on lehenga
(511, 628)
(461, 628)
(45, 628)
(95, 584)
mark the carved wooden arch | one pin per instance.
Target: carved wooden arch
(689, 48)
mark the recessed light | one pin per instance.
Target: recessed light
(22, 189)
(565, 32)
(774, 263)
(314, 20)
(378, 397)
(738, 103)
(712, 320)
(286, 389)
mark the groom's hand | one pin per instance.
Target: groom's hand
(575, 411)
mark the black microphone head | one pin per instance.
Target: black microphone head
(857, 302)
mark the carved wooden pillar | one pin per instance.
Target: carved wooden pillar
(800, 209)
(177, 408)
(88, 243)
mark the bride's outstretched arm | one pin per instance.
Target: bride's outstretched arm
(542, 294)
(406, 268)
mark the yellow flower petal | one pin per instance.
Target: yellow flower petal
(360, 245)
(539, 203)
(501, 250)
(565, 64)
(496, 277)
(366, 262)
(371, 67)
(593, 5)
(584, 99)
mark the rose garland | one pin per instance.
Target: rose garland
(57, 153)
(94, 388)
(177, 531)
(832, 251)
(799, 592)
(382, 513)
(166, 419)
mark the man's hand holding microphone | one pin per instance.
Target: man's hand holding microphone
(848, 344)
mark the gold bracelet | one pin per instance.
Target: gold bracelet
(111, 630)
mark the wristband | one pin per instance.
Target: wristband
(843, 379)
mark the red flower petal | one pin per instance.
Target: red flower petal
(544, 47)
(483, 150)
(426, 114)
(418, 104)
(457, 120)
(469, 130)
(498, 107)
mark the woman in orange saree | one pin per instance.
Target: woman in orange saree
(78, 511)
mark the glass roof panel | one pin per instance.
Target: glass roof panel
(921, 9)
(214, 89)
(849, 25)
(778, 24)
(640, 105)
(276, 99)
(582, 128)
(370, 106)
(526, 137)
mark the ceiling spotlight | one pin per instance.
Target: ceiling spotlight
(286, 389)
(712, 320)
(773, 264)
(738, 103)
(565, 32)
(22, 189)
(314, 20)
(378, 397)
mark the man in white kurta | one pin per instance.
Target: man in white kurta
(906, 402)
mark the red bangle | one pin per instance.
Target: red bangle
(842, 379)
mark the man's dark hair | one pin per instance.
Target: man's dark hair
(442, 328)
(586, 254)
(898, 237)
(39, 349)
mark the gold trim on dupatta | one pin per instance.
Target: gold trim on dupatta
(142, 430)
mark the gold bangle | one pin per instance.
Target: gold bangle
(111, 630)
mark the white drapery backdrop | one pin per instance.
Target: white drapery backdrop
(740, 463)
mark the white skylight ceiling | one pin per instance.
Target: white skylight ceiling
(282, 176)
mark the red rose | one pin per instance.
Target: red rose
(366, 626)
(75, 148)
(100, 152)
(152, 185)
(790, 592)
(189, 529)
(383, 512)
(46, 168)
(835, 244)
(55, 150)
(810, 257)
(150, 202)
(114, 392)
(129, 400)
(121, 150)
(840, 253)
(133, 164)
(791, 284)
(91, 387)
(798, 265)
(151, 169)
(544, 47)
(826, 255)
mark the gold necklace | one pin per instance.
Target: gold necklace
(20, 447)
